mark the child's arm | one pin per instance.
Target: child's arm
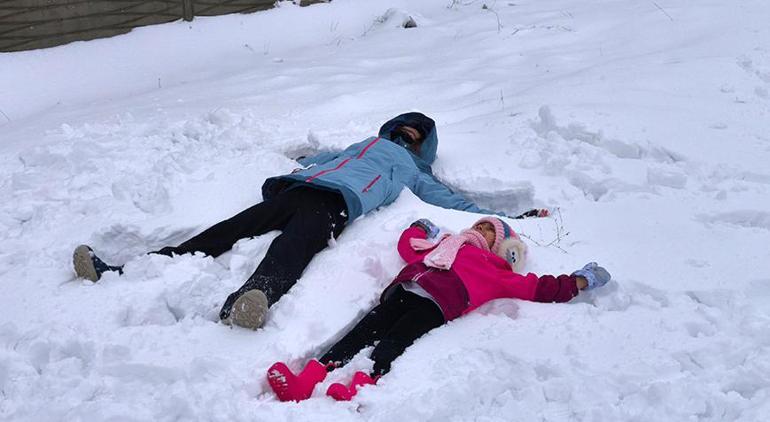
(420, 229)
(556, 289)
(546, 288)
(563, 288)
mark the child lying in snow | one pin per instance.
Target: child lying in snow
(441, 282)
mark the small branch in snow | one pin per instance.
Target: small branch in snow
(560, 233)
(664, 12)
(497, 15)
(5, 115)
(456, 2)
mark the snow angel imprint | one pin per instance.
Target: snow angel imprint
(309, 206)
(441, 281)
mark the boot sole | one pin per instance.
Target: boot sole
(277, 378)
(250, 310)
(84, 266)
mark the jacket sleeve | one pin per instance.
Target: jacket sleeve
(546, 288)
(405, 249)
(555, 289)
(432, 191)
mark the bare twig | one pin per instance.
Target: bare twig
(6, 116)
(664, 12)
(560, 233)
(497, 15)
(456, 2)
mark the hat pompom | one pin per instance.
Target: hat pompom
(513, 251)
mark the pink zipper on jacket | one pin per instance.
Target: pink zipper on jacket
(369, 186)
(345, 161)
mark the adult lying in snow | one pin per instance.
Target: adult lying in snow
(310, 206)
(441, 282)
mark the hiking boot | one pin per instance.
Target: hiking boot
(249, 310)
(595, 275)
(89, 266)
(288, 386)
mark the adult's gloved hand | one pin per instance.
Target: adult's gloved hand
(430, 229)
(536, 212)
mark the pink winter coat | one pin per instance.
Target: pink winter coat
(476, 277)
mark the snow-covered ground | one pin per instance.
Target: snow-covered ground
(647, 124)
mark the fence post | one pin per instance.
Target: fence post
(187, 10)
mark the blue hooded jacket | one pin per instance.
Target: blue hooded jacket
(371, 173)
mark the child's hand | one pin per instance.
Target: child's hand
(593, 275)
(581, 282)
(430, 229)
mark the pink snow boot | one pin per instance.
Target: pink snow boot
(288, 386)
(340, 392)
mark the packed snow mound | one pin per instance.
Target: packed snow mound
(651, 151)
(396, 18)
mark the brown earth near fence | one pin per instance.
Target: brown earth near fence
(32, 24)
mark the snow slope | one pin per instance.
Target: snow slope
(645, 123)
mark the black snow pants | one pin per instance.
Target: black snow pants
(394, 324)
(308, 218)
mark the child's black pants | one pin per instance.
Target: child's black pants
(308, 219)
(395, 323)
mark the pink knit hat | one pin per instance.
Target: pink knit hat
(507, 243)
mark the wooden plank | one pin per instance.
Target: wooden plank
(45, 23)
(188, 10)
(28, 24)
(83, 8)
(32, 43)
(53, 9)
(224, 7)
(82, 20)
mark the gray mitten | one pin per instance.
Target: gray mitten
(595, 275)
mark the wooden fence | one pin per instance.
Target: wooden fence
(30, 24)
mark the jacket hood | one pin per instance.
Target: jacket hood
(422, 123)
